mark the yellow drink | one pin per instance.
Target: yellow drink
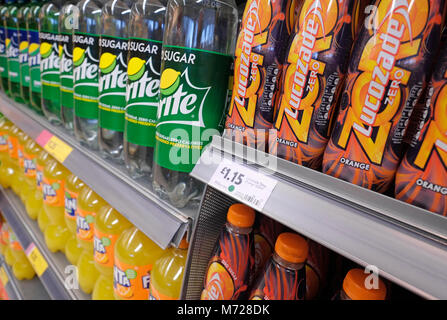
(14, 176)
(87, 272)
(103, 289)
(73, 249)
(24, 190)
(42, 219)
(5, 173)
(33, 201)
(73, 187)
(21, 268)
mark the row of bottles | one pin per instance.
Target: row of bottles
(114, 259)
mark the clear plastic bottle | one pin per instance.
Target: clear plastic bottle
(6, 168)
(193, 92)
(23, 51)
(146, 35)
(86, 72)
(66, 26)
(32, 203)
(3, 55)
(50, 60)
(73, 187)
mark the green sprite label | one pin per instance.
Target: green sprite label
(23, 57)
(86, 75)
(112, 82)
(143, 86)
(193, 97)
(12, 52)
(49, 67)
(3, 58)
(34, 60)
(66, 54)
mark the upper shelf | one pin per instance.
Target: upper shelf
(163, 223)
(406, 243)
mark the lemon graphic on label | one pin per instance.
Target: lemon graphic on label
(61, 50)
(136, 68)
(169, 82)
(8, 42)
(33, 49)
(78, 56)
(107, 62)
(45, 49)
(23, 46)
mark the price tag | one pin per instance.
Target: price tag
(36, 259)
(3, 276)
(54, 146)
(242, 183)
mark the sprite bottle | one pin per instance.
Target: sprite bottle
(198, 48)
(50, 60)
(67, 23)
(3, 57)
(23, 51)
(143, 71)
(113, 77)
(86, 72)
(35, 85)
(12, 49)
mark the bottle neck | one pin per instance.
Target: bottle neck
(234, 229)
(287, 264)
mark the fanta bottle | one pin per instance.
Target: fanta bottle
(21, 268)
(54, 176)
(6, 169)
(230, 270)
(42, 218)
(284, 276)
(354, 287)
(3, 243)
(13, 144)
(30, 154)
(73, 187)
(109, 225)
(9, 258)
(24, 188)
(167, 273)
(135, 255)
(89, 204)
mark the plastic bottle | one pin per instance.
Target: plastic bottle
(12, 49)
(354, 287)
(260, 56)
(53, 187)
(24, 189)
(109, 225)
(3, 54)
(113, 77)
(42, 218)
(23, 51)
(284, 276)
(66, 25)
(30, 154)
(16, 177)
(6, 168)
(32, 24)
(73, 187)
(50, 60)
(89, 204)
(86, 72)
(135, 255)
(21, 268)
(143, 84)
(167, 273)
(230, 270)
(386, 76)
(207, 41)
(9, 258)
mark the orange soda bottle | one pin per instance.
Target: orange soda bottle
(355, 287)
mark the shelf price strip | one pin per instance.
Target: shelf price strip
(36, 259)
(54, 146)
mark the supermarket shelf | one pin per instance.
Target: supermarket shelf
(406, 243)
(135, 199)
(29, 234)
(22, 289)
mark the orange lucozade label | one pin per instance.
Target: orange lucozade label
(4, 142)
(71, 204)
(131, 282)
(422, 176)
(13, 145)
(29, 165)
(260, 53)
(386, 76)
(312, 80)
(104, 247)
(53, 192)
(85, 221)
(157, 295)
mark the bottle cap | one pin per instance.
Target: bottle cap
(292, 247)
(354, 287)
(241, 215)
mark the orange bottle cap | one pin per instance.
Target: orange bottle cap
(354, 287)
(241, 215)
(183, 244)
(292, 247)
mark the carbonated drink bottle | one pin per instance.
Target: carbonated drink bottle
(6, 168)
(30, 154)
(42, 218)
(67, 23)
(24, 188)
(3, 54)
(16, 178)
(32, 24)
(50, 59)
(12, 49)
(135, 255)
(21, 268)
(113, 77)
(86, 72)
(143, 70)
(73, 187)
(230, 270)
(23, 51)
(354, 287)
(192, 101)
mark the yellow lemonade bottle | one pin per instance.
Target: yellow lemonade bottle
(167, 273)
(109, 225)
(89, 204)
(24, 190)
(42, 218)
(30, 154)
(54, 176)
(135, 254)
(6, 169)
(21, 268)
(73, 187)
(13, 145)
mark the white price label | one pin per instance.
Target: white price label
(242, 183)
